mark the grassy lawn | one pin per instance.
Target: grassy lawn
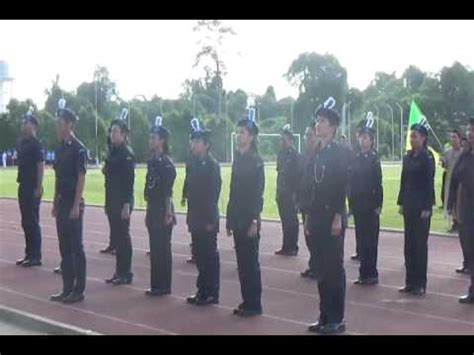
(94, 192)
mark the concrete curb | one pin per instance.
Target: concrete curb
(41, 324)
(273, 220)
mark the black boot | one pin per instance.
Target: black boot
(107, 250)
(287, 252)
(157, 292)
(243, 312)
(58, 297)
(405, 289)
(123, 280)
(462, 270)
(333, 328)
(204, 301)
(74, 298)
(367, 282)
(19, 262)
(418, 291)
(111, 279)
(31, 262)
(316, 327)
(192, 299)
(466, 299)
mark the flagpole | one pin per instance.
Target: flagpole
(401, 130)
(436, 138)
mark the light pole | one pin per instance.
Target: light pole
(393, 136)
(96, 118)
(401, 130)
(291, 114)
(226, 126)
(378, 119)
(344, 117)
(348, 116)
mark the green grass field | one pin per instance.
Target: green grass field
(94, 192)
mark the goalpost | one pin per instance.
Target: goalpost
(233, 142)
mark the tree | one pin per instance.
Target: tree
(236, 105)
(139, 131)
(212, 49)
(317, 77)
(414, 78)
(268, 104)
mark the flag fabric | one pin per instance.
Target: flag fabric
(416, 116)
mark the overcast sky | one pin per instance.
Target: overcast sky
(155, 57)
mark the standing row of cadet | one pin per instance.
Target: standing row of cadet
(319, 192)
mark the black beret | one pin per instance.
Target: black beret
(332, 115)
(286, 131)
(251, 125)
(363, 128)
(203, 134)
(30, 118)
(67, 114)
(121, 123)
(161, 131)
(420, 129)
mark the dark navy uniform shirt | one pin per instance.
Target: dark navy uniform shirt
(366, 191)
(119, 175)
(203, 181)
(70, 161)
(288, 172)
(247, 184)
(417, 181)
(30, 153)
(328, 181)
(160, 177)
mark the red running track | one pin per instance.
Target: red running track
(289, 301)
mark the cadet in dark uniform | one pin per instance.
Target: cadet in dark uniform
(243, 214)
(110, 249)
(326, 220)
(160, 216)
(184, 197)
(416, 200)
(68, 208)
(304, 197)
(119, 180)
(287, 183)
(365, 201)
(30, 189)
(461, 199)
(203, 189)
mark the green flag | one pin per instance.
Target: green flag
(416, 116)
